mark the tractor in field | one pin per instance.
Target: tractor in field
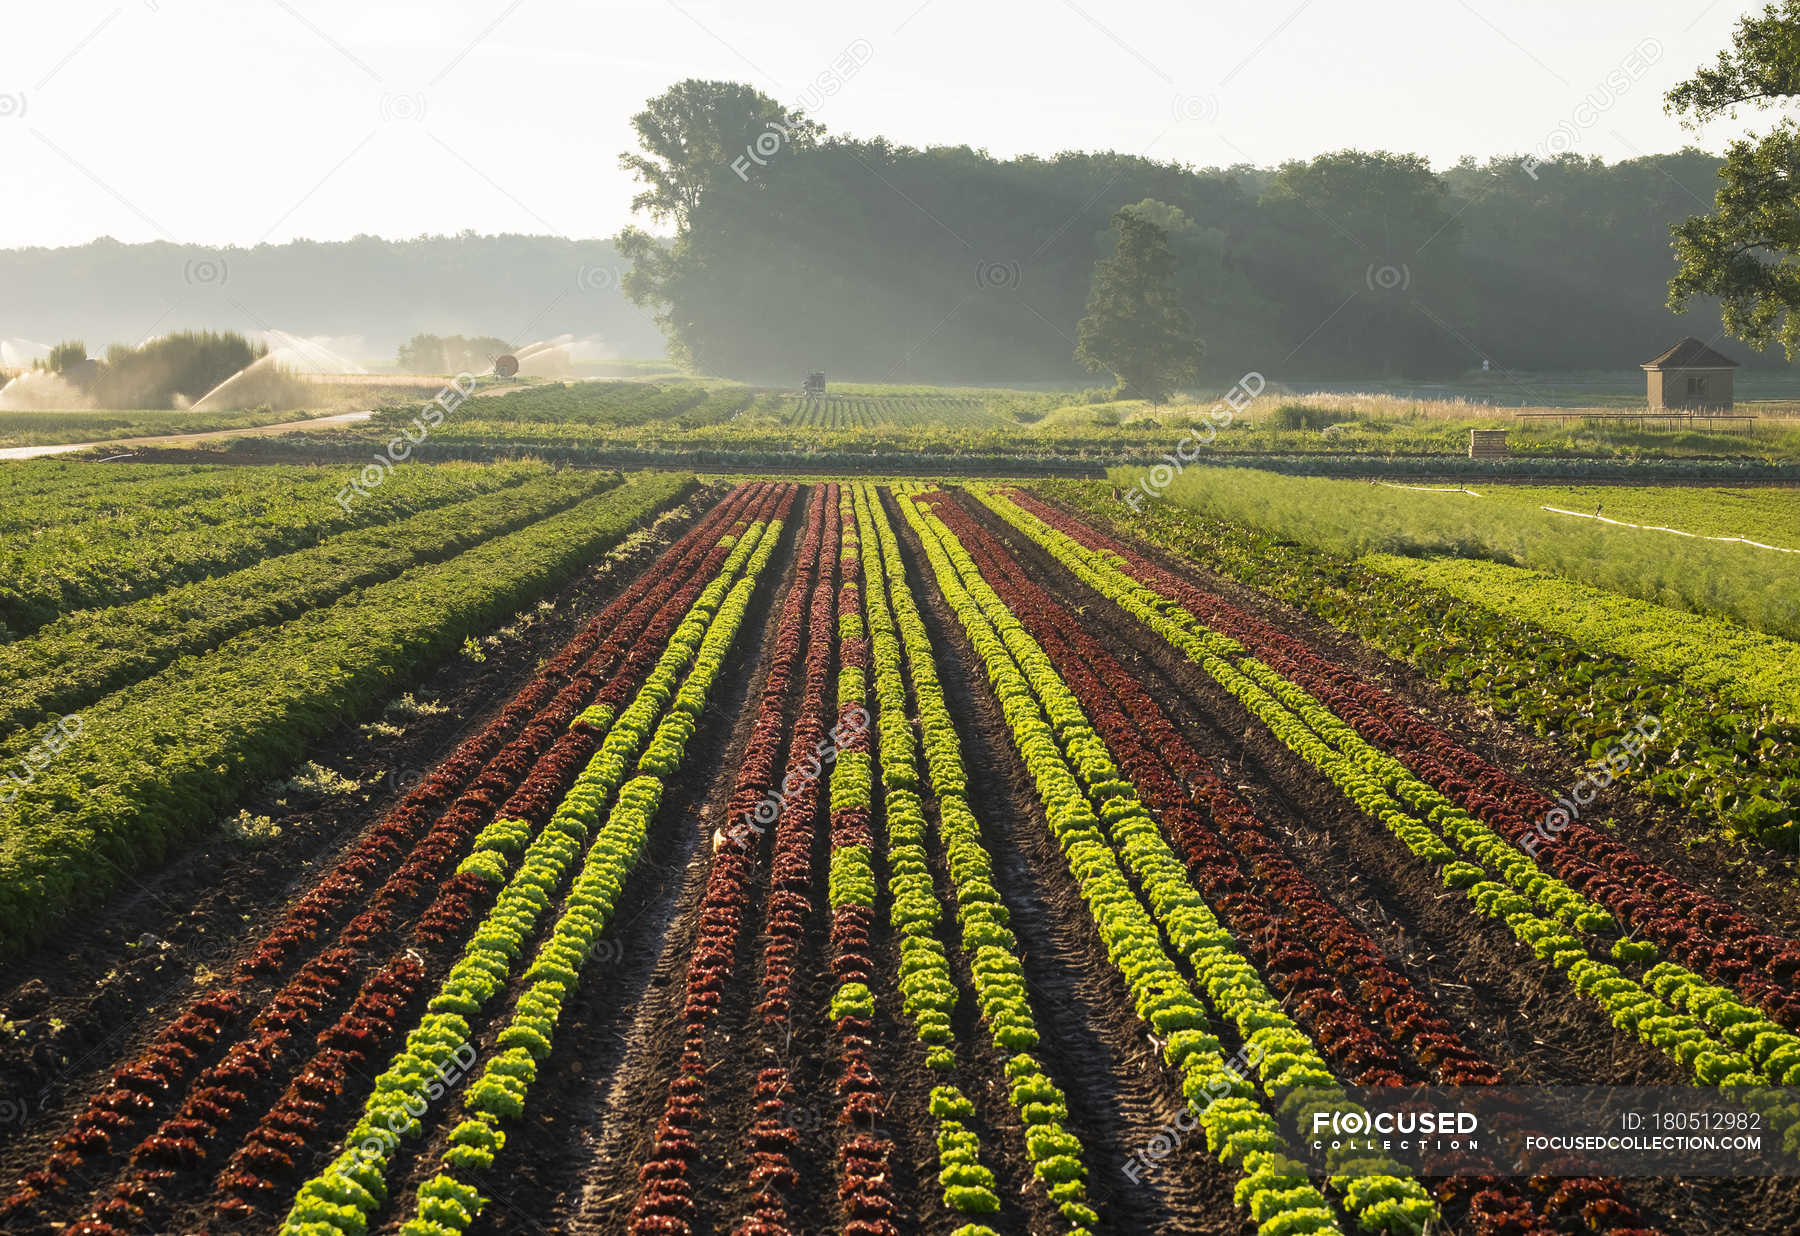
(814, 386)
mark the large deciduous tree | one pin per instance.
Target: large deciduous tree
(696, 132)
(1745, 252)
(1136, 326)
(696, 137)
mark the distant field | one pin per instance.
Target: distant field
(1768, 515)
(1752, 587)
(760, 426)
(1770, 390)
(716, 425)
(883, 412)
(53, 428)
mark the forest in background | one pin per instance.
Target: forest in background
(880, 262)
(371, 294)
(883, 262)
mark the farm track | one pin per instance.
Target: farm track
(701, 1077)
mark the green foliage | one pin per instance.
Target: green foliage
(425, 353)
(67, 355)
(1300, 416)
(1135, 324)
(1716, 657)
(852, 1000)
(1550, 265)
(99, 537)
(690, 135)
(71, 661)
(1750, 586)
(1747, 252)
(1761, 68)
(161, 371)
(902, 654)
(243, 712)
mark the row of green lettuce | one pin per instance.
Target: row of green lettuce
(98, 534)
(78, 657)
(903, 660)
(651, 732)
(155, 764)
(1722, 758)
(1140, 894)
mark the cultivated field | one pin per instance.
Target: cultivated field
(519, 849)
(675, 422)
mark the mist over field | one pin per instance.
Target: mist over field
(363, 297)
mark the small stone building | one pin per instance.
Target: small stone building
(1690, 376)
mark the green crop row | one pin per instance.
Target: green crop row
(177, 529)
(1719, 659)
(1096, 819)
(159, 761)
(928, 992)
(342, 1198)
(71, 661)
(1737, 764)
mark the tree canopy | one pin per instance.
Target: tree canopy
(1135, 326)
(880, 261)
(1744, 253)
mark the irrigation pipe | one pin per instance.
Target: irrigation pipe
(1677, 531)
(1432, 489)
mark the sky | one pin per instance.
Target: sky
(233, 122)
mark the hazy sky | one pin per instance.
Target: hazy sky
(236, 121)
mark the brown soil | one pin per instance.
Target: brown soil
(1121, 1096)
(627, 1008)
(93, 995)
(1504, 1002)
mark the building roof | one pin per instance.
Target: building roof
(1690, 353)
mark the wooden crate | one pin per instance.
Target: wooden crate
(1487, 444)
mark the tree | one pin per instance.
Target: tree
(1745, 252)
(426, 353)
(1136, 326)
(1362, 252)
(695, 132)
(67, 355)
(698, 137)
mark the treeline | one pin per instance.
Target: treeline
(879, 261)
(369, 293)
